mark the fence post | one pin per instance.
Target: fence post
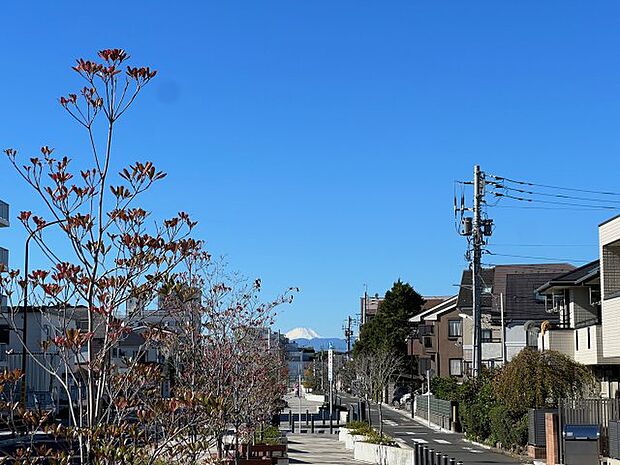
(444, 460)
(331, 426)
(437, 458)
(312, 424)
(306, 418)
(416, 453)
(424, 455)
(452, 462)
(323, 416)
(293, 425)
(290, 418)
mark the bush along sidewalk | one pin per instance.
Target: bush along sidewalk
(493, 407)
(371, 435)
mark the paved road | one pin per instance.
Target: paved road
(314, 449)
(402, 427)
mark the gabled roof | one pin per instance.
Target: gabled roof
(431, 301)
(575, 277)
(432, 313)
(517, 284)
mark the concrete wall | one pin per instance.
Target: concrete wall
(382, 455)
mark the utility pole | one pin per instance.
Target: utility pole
(475, 229)
(477, 242)
(348, 334)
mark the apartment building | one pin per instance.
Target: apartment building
(437, 340)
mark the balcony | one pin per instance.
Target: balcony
(4, 257)
(4, 214)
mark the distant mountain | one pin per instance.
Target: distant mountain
(302, 333)
(322, 343)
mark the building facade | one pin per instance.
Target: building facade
(437, 341)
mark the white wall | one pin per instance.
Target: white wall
(608, 233)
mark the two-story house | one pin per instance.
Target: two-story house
(576, 298)
(512, 310)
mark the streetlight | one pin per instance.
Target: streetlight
(25, 306)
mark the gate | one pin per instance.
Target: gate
(589, 412)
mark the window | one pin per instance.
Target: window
(4, 334)
(456, 367)
(487, 335)
(428, 342)
(454, 328)
(424, 364)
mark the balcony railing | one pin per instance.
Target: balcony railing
(4, 213)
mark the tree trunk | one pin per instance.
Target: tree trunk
(380, 419)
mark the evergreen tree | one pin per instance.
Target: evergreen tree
(389, 329)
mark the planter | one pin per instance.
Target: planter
(382, 455)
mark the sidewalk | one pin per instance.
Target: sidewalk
(293, 404)
(320, 449)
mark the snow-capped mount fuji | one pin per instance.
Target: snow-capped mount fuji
(302, 333)
(306, 337)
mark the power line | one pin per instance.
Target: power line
(532, 257)
(547, 194)
(548, 186)
(522, 207)
(545, 245)
(552, 202)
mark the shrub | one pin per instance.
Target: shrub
(359, 428)
(476, 399)
(446, 388)
(509, 429)
(375, 438)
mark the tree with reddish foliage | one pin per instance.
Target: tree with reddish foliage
(210, 325)
(112, 251)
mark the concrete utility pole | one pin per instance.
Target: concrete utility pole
(475, 229)
(348, 334)
(477, 242)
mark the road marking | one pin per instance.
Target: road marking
(391, 423)
(420, 441)
(441, 441)
(473, 451)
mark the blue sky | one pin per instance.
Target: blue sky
(317, 142)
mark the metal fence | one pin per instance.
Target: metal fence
(590, 412)
(442, 411)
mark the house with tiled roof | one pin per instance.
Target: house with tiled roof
(512, 310)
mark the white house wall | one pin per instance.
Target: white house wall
(610, 313)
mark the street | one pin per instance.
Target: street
(402, 427)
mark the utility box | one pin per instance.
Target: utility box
(581, 444)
